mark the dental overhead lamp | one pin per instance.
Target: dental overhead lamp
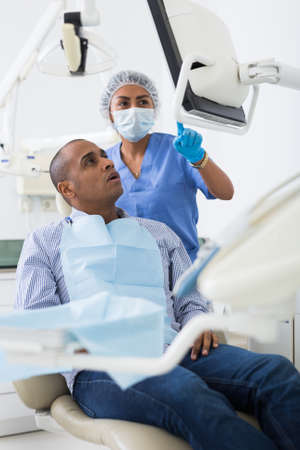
(76, 42)
(211, 86)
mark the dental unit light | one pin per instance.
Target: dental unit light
(211, 86)
(75, 42)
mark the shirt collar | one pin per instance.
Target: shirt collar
(77, 213)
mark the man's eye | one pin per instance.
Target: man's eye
(90, 161)
(102, 154)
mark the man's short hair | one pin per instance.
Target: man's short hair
(59, 166)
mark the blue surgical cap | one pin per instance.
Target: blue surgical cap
(122, 79)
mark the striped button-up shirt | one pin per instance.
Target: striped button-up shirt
(40, 278)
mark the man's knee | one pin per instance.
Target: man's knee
(280, 364)
(279, 371)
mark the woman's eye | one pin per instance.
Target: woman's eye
(144, 102)
(123, 104)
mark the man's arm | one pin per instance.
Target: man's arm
(36, 285)
(188, 306)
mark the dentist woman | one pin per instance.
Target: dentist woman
(160, 173)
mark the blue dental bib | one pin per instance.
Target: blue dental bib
(121, 259)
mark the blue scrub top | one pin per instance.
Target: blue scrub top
(165, 190)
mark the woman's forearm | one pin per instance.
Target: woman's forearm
(217, 182)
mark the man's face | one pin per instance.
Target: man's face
(93, 178)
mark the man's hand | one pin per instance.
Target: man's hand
(206, 340)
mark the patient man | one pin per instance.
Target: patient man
(197, 400)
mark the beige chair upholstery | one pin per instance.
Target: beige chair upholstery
(50, 392)
(114, 434)
(50, 397)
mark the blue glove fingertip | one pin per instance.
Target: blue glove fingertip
(180, 128)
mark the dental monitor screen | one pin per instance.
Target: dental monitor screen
(192, 103)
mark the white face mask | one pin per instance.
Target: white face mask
(133, 123)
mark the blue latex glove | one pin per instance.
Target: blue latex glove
(188, 143)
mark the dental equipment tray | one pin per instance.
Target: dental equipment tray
(192, 103)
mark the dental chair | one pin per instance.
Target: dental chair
(57, 412)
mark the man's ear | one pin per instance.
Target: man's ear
(66, 189)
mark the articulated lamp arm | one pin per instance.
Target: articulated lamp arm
(270, 71)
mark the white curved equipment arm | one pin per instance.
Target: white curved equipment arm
(20, 351)
(90, 15)
(29, 52)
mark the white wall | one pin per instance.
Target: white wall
(51, 106)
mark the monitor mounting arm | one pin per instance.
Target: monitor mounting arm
(270, 71)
